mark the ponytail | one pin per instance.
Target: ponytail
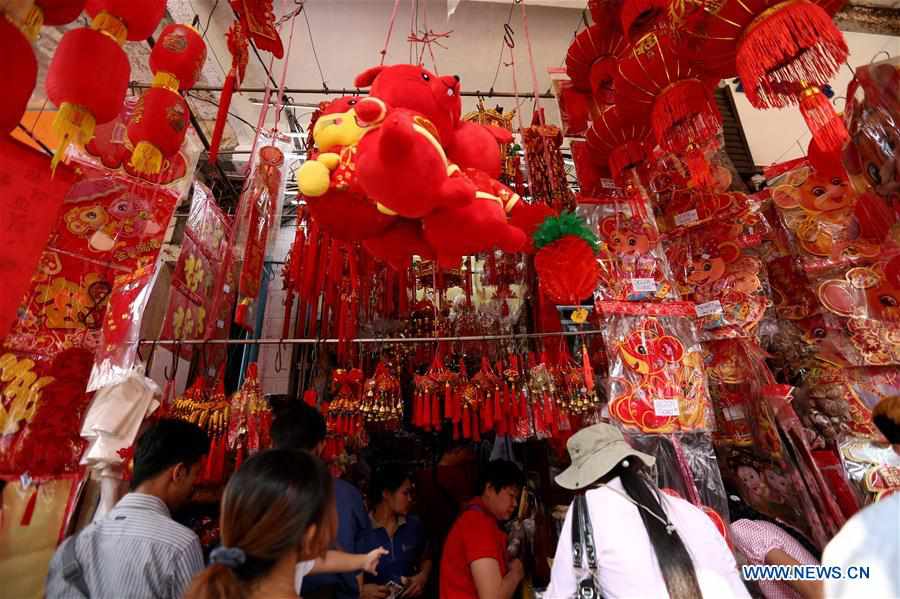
(674, 560)
(216, 582)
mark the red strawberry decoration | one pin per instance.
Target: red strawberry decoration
(565, 260)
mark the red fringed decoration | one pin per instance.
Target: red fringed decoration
(697, 163)
(826, 126)
(237, 45)
(685, 113)
(586, 367)
(627, 156)
(28, 514)
(788, 47)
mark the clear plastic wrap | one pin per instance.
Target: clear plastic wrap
(657, 380)
(633, 265)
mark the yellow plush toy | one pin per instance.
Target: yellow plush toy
(336, 134)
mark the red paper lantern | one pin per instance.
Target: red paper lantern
(179, 53)
(59, 12)
(591, 61)
(85, 96)
(139, 17)
(19, 72)
(157, 128)
(639, 17)
(621, 139)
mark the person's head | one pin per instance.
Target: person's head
(886, 416)
(167, 460)
(501, 485)
(299, 426)
(277, 509)
(391, 487)
(600, 454)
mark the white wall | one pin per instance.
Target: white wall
(780, 135)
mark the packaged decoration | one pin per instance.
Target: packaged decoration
(632, 263)
(657, 380)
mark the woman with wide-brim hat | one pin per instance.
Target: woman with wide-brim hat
(645, 544)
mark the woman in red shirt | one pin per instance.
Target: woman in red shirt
(474, 564)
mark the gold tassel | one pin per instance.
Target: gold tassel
(166, 80)
(146, 158)
(73, 124)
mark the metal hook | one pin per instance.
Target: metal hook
(879, 53)
(175, 352)
(150, 357)
(278, 359)
(836, 98)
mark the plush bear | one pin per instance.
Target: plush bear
(475, 146)
(404, 169)
(419, 90)
(328, 179)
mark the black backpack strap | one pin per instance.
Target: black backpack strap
(583, 550)
(71, 567)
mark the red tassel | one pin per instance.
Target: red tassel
(701, 174)
(554, 419)
(796, 42)
(310, 397)
(449, 407)
(498, 407)
(238, 458)
(826, 126)
(28, 514)
(427, 412)
(476, 429)
(466, 424)
(436, 412)
(586, 367)
(685, 113)
(222, 115)
(874, 216)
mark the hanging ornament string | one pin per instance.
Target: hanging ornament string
(427, 38)
(390, 31)
(279, 108)
(534, 79)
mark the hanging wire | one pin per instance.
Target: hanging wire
(209, 18)
(314, 50)
(506, 41)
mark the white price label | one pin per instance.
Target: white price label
(734, 413)
(607, 184)
(708, 308)
(686, 218)
(665, 407)
(220, 324)
(643, 285)
(226, 288)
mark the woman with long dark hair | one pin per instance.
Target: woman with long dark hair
(646, 544)
(277, 521)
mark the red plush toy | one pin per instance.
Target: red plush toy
(399, 243)
(475, 227)
(402, 166)
(478, 146)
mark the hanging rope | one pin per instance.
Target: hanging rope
(534, 79)
(281, 97)
(390, 31)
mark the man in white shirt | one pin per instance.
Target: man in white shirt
(871, 538)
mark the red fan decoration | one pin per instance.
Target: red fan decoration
(591, 61)
(565, 262)
(160, 120)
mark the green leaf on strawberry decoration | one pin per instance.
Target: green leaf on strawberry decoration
(566, 224)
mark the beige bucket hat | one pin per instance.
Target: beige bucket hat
(595, 451)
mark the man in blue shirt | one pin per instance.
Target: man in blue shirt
(403, 536)
(299, 426)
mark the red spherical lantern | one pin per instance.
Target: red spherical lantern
(19, 72)
(59, 12)
(85, 96)
(140, 17)
(591, 61)
(157, 128)
(179, 53)
(621, 139)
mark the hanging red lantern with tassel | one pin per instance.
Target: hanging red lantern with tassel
(90, 96)
(655, 77)
(565, 260)
(160, 120)
(624, 141)
(783, 52)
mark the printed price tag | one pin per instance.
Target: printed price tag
(665, 407)
(709, 308)
(686, 218)
(220, 324)
(607, 184)
(734, 413)
(643, 285)
(226, 288)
